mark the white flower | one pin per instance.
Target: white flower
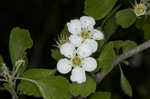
(89, 64)
(78, 75)
(87, 22)
(93, 45)
(80, 62)
(64, 66)
(97, 35)
(74, 26)
(84, 30)
(67, 50)
(75, 40)
(84, 50)
(140, 9)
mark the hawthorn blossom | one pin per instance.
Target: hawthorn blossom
(77, 60)
(141, 8)
(82, 29)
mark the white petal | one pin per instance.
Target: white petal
(84, 50)
(74, 26)
(92, 44)
(89, 64)
(76, 40)
(87, 22)
(97, 35)
(64, 66)
(68, 50)
(78, 75)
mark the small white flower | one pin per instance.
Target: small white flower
(64, 66)
(68, 50)
(93, 45)
(140, 9)
(85, 30)
(78, 75)
(87, 22)
(97, 35)
(84, 50)
(89, 64)
(80, 62)
(74, 26)
(76, 40)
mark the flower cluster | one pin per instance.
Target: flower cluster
(77, 49)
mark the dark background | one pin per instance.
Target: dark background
(45, 19)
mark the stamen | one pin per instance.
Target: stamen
(85, 34)
(76, 61)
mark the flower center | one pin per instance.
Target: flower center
(76, 61)
(140, 9)
(85, 34)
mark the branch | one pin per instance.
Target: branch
(101, 75)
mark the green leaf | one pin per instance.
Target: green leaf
(125, 63)
(110, 27)
(65, 31)
(1, 59)
(107, 57)
(125, 84)
(55, 53)
(101, 95)
(84, 89)
(98, 8)
(118, 44)
(55, 87)
(29, 88)
(146, 29)
(124, 45)
(125, 18)
(139, 22)
(19, 42)
(128, 45)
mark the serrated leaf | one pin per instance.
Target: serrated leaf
(110, 28)
(124, 45)
(98, 8)
(56, 54)
(107, 57)
(84, 89)
(101, 95)
(19, 42)
(118, 44)
(55, 87)
(125, 84)
(146, 28)
(128, 45)
(29, 88)
(125, 18)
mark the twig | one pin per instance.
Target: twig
(101, 75)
